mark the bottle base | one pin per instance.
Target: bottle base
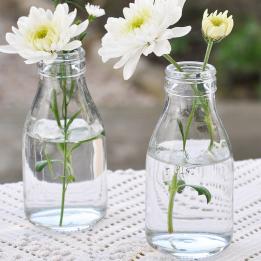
(74, 219)
(189, 245)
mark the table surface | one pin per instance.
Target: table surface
(120, 236)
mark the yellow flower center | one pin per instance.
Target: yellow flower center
(43, 36)
(217, 21)
(41, 33)
(138, 20)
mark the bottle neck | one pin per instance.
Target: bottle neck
(190, 90)
(192, 81)
(67, 65)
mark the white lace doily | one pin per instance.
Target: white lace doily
(120, 236)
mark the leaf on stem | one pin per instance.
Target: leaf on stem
(181, 185)
(40, 165)
(181, 129)
(84, 141)
(191, 116)
(71, 120)
(54, 108)
(82, 36)
(202, 191)
(71, 91)
(70, 179)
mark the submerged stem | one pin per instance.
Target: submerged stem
(172, 193)
(65, 129)
(170, 211)
(208, 120)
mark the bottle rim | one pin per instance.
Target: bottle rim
(75, 58)
(191, 75)
(75, 55)
(192, 72)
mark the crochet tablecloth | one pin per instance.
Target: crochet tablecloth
(120, 236)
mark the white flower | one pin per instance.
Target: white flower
(41, 35)
(216, 26)
(144, 29)
(94, 10)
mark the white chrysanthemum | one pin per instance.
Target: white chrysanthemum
(216, 26)
(41, 35)
(94, 10)
(144, 29)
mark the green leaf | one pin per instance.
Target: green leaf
(40, 165)
(82, 36)
(202, 191)
(84, 141)
(181, 130)
(54, 108)
(181, 185)
(72, 119)
(71, 91)
(191, 116)
(70, 179)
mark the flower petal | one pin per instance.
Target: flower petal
(131, 65)
(177, 32)
(78, 29)
(7, 49)
(162, 47)
(72, 45)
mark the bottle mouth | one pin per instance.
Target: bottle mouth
(66, 65)
(75, 55)
(192, 81)
(192, 72)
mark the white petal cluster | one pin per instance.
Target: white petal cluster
(143, 30)
(216, 26)
(42, 34)
(94, 10)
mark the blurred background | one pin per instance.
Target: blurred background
(131, 109)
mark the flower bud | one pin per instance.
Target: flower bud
(216, 27)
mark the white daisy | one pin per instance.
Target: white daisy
(41, 35)
(94, 10)
(144, 29)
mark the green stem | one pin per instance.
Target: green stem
(172, 193)
(209, 48)
(190, 119)
(65, 105)
(64, 179)
(170, 211)
(205, 105)
(209, 123)
(172, 61)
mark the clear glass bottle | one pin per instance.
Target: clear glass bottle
(64, 153)
(189, 185)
